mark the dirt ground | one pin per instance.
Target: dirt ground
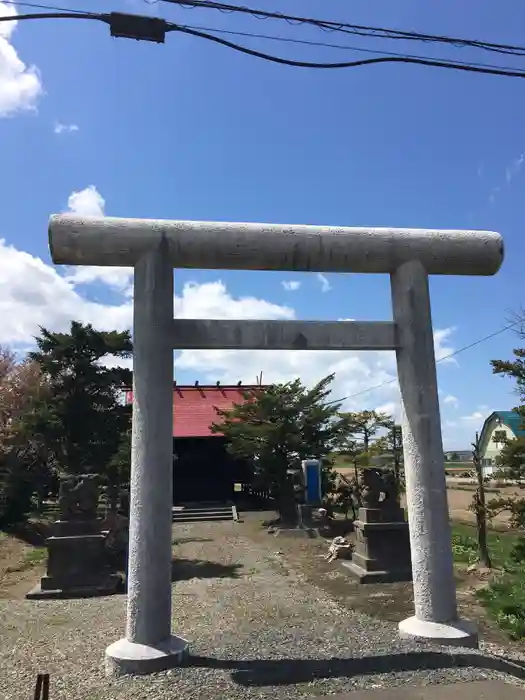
(459, 499)
(22, 563)
(22, 560)
(392, 602)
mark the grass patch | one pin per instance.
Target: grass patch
(504, 597)
(31, 557)
(504, 601)
(465, 545)
(35, 556)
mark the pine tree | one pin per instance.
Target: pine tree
(511, 460)
(393, 450)
(279, 426)
(84, 420)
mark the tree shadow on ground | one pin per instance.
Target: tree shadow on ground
(269, 672)
(32, 532)
(185, 569)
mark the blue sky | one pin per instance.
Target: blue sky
(190, 130)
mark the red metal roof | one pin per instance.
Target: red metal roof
(194, 407)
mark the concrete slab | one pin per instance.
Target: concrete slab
(480, 690)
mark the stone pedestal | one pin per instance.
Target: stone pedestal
(307, 526)
(382, 546)
(77, 563)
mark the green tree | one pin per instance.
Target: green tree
(479, 507)
(454, 457)
(84, 420)
(277, 428)
(362, 440)
(511, 460)
(25, 467)
(393, 451)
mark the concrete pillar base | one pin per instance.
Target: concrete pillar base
(129, 658)
(460, 633)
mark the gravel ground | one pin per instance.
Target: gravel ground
(257, 629)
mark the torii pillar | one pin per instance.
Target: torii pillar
(154, 248)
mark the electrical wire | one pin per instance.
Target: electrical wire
(56, 15)
(470, 68)
(323, 44)
(347, 28)
(45, 7)
(171, 27)
(518, 322)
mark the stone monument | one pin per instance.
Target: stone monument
(382, 541)
(77, 564)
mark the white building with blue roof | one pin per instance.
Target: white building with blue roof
(499, 427)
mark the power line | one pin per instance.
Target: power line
(75, 14)
(346, 47)
(45, 7)
(347, 28)
(452, 65)
(154, 29)
(441, 359)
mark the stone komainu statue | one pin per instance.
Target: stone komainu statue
(78, 497)
(378, 488)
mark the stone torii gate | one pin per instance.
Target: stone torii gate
(154, 248)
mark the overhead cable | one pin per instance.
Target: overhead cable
(518, 322)
(347, 28)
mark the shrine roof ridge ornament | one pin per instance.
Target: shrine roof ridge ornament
(110, 241)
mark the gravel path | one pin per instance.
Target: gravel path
(257, 629)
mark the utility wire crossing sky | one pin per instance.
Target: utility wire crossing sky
(154, 29)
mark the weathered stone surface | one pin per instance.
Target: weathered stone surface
(76, 567)
(78, 497)
(382, 547)
(77, 564)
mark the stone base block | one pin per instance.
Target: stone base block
(364, 576)
(129, 658)
(459, 633)
(44, 591)
(299, 532)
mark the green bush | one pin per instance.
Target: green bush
(464, 548)
(517, 553)
(505, 603)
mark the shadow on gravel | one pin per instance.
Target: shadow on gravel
(185, 569)
(292, 671)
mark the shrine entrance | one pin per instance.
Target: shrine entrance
(154, 248)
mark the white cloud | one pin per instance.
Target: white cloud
(442, 348)
(449, 399)
(514, 168)
(20, 85)
(325, 284)
(86, 202)
(65, 128)
(476, 416)
(118, 278)
(291, 285)
(89, 202)
(212, 300)
(48, 300)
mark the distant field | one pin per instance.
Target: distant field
(341, 464)
(460, 466)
